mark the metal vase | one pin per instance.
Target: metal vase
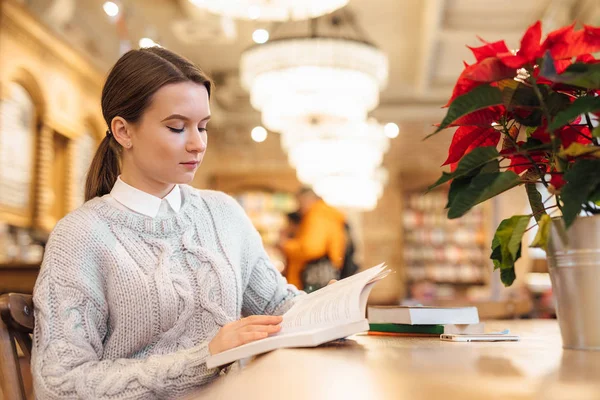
(574, 264)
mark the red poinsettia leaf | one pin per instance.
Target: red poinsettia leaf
(529, 51)
(587, 59)
(488, 49)
(530, 43)
(462, 139)
(566, 43)
(519, 164)
(558, 42)
(453, 166)
(513, 61)
(483, 118)
(463, 85)
(570, 134)
(541, 134)
(561, 65)
(557, 180)
(489, 70)
(467, 138)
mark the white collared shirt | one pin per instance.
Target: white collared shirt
(144, 203)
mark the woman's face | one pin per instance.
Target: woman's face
(169, 141)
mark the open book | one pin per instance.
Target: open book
(330, 313)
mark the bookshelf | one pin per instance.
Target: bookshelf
(443, 251)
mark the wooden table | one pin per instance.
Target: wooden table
(369, 367)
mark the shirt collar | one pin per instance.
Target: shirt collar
(142, 202)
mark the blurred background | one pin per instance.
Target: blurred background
(284, 117)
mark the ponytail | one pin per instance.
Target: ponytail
(104, 169)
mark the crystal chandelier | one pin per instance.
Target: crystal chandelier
(317, 91)
(344, 149)
(293, 79)
(358, 191)
(271, 10)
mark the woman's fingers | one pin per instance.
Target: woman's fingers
(262, 328)
(260, 320)
(247, 337)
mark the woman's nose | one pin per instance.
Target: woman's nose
(196, 143)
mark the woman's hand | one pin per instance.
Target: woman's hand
(244, 331)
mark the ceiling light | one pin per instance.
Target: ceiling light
(271, 10)
(259, 134)
(147, 42)
(111, 9)
(290, 79)
(254, 12)
(391, 130)
(260, 36)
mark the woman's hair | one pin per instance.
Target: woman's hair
(127, 93)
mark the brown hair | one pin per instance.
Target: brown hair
(127, 93)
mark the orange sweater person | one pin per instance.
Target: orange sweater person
(321, 232)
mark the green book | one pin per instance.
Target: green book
(427, 329)
(405, 328)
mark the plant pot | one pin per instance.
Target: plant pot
(574, 264)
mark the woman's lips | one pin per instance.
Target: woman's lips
(191, 164)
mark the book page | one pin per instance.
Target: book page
(335, 303)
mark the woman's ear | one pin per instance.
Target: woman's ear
(121, 130)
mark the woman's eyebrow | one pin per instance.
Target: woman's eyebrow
(183, 117)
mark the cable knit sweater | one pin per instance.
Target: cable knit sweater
(125, 305)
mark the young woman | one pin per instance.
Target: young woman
(150, 276)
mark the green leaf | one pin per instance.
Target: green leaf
(457, 186)
(510, 235)
(535, 144)
(583, 180)
(530, 129)
(470, 162)
(506, 246)
(481, 188)
(497, 256)
(462, 183)
(596, 132)
(578, 74)
(557, 102)
(543, 233)
(516, 94)
(508, 276)
(595, 196)
(576, 149)
(580, 106)
(481, 97)
(535, 201)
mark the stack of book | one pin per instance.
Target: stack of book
(423, 321)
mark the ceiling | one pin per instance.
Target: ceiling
(425, 41)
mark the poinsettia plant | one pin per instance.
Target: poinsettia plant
(527, 118)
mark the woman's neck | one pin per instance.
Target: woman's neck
(149, 186)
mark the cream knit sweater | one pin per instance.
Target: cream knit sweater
(125, 305)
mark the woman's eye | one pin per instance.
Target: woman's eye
(175, 129)
(202, 130)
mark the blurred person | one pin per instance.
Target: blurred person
(150, 276)
(292, 224)
(289, 231)
(320, 242)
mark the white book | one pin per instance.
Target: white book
(330, 313)
(421, 315)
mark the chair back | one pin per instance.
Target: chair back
(16, 325)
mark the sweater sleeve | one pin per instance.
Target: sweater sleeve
(265, 290)
(71, 323)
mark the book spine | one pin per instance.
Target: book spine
(403, 328)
